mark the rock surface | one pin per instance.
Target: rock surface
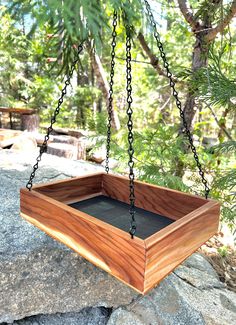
(88, 316)
(163, 305)
(37, 274)
(44, 283)
(25, 143)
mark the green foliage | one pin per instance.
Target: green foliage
(214, 85)
(26, 77)
(14, 81)
(76, 20)
(223, 251)
(83, 100)
(225, 148)
(156, 155)
(228, 181)
(224, 184)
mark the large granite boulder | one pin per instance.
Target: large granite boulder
(44, 282)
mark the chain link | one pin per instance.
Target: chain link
(110, 99)
(43, 148)
(176, 96)
(129, 112)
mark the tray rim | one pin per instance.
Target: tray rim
(104, 174)
(147, 242)
(111, 234)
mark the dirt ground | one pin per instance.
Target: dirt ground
(223, 259)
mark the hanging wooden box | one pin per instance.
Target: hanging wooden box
(173, 226)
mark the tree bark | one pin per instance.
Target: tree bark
(204, 35)
(82, 81)
(152, 57)
(221, 26)
(199, 60)
(222, 125)
(30, 122)
(103, 84)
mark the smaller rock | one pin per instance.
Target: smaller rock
(65, 150)
(113, 163)
(121, 316)
(65, 139)
(199, 262)
(24, 143)
(163, 305)
(215, 305)
(77, 133)
(227, 303)
(198, 279)
(88, 316)
(98, 155)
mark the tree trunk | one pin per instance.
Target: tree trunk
(82, 81)
(222, 124)
(199, 60)
(69, 151)
(30, 122)
(204, 34)
(103, 84)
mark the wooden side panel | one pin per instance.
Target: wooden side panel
(170, 246)
(72, 190)
(169, 203)
(98, 242)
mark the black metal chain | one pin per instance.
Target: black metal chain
(43, 148)
(175, 94)
(110, 99)
(129, 112)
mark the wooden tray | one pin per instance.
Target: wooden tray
(184, 222)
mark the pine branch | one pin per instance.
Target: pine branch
(228, 181)
(218, 122)
(225, 147)
(188, 15)
(221, 26)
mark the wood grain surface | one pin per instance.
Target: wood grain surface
(171, 246)
(17, 110)
(160, 200)
(105, 246)
(74, 189)
(139, 263)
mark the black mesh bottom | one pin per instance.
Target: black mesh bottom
(116, 213)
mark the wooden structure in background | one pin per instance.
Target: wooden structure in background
(29, 120)
(22, 111)
(140, 263)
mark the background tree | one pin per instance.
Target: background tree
(200, 43)
(206, 22)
